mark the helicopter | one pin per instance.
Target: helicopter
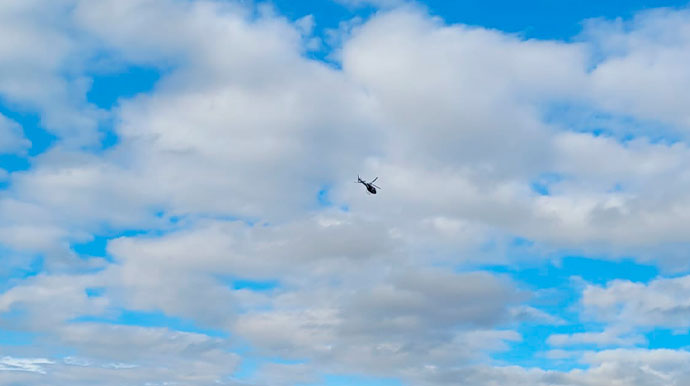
(370, 185)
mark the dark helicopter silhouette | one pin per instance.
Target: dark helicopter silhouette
(370, 185)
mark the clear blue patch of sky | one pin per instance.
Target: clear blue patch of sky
(327, 14)
(247, 369)
(322, 197)
(540, 188)
(347, 380)
(152, 319)
(542, 19)
(109, 137)
(30, 123)
(16, 338)
(94, 292)
(530, 351)
(542, 184)
(593, 270)
(667, 338)
(108, 88)
(249, 284)
(254, 285)
(557, 295)
(97, 246)
(13, 163)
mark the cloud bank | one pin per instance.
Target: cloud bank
(232, 231)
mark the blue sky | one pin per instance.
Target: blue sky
(539, 19)
(178, 196)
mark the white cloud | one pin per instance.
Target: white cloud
(636, 367)
(386, 330)
(661, 303)
(256, 133)
(244, 131)
(47, 301)
(439, 88)
(643, 73)
(32, 365)
(607, 338)
(42, 68)
(286, 374)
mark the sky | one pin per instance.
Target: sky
(178, 202)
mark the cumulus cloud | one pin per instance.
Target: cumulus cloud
(42, 68)
(611, 367)
(662, 302)
(611, 337)
(642, 74)
(324, 307)
(219, 169)
(390, 326)
(408, 106)
(48, 300)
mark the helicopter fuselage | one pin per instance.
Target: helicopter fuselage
(371, 188)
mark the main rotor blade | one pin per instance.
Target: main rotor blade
(372, 181)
